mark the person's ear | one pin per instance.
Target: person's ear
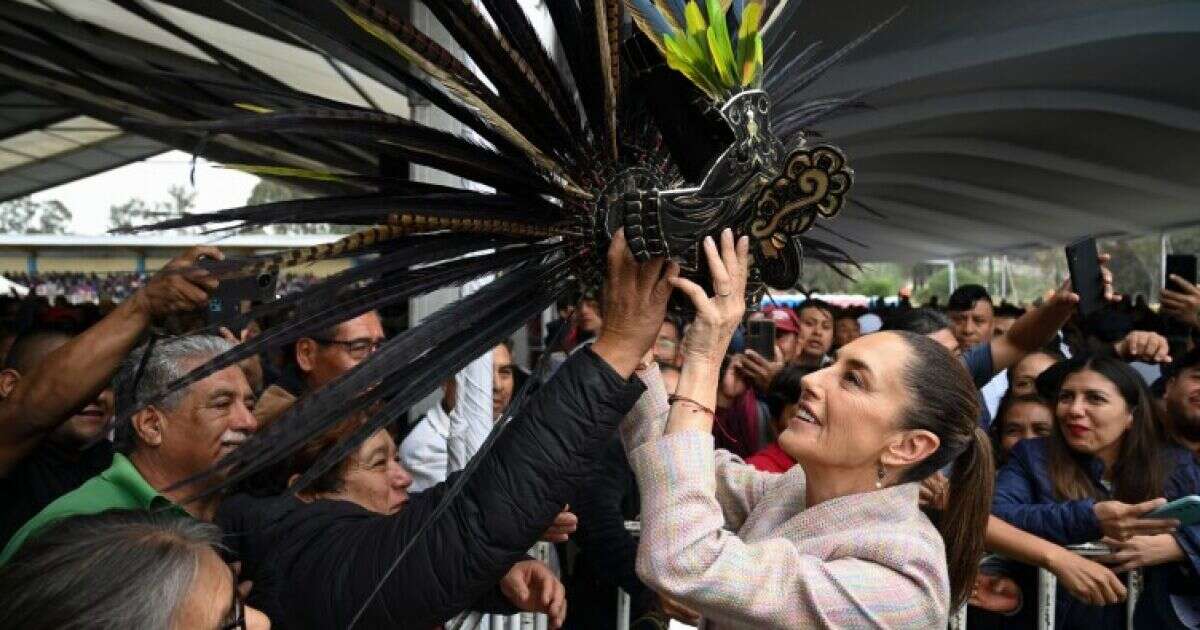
(909, 448)
(148, 426)
(9, 378)
(306, 353)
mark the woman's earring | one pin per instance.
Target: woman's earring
(882, 473)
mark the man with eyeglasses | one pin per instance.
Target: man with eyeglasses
(318, 359)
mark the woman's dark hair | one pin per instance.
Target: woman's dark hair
(1139, 471)
(945, 402)
(922, 321)
(996, 431)
(785, 388)
(114, 570)
(333, 479)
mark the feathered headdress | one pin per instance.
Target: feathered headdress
(673, 130)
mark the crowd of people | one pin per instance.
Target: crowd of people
(64, 288)
(876, 467)
(77, 288)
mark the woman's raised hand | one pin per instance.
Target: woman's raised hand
(634, 303)
(1122, 521)
(717, 316)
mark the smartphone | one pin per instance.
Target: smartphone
(760, 337)
(225, 305)
(1186, 510)
(1182, 265)
(1083, 261)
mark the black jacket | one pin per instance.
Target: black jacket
(607, 551)
(315, 564)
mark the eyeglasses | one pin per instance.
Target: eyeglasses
(356, 348)
(239, 614)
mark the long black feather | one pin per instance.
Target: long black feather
(388, 289)
(465, 344)
(541, 373)
(514, 24)
(370, 380)
(785, 83)
(534, 113)
(344, 41)
(420, 143)
(375, 208)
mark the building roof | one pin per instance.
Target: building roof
(160, 241)
(48, 138)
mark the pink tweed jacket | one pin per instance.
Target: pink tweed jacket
(739, 546)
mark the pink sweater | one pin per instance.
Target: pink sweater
(739, 546)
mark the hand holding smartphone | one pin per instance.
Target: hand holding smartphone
(1186, 510)
(1087, 281)
(1182, 265)
(760, 337)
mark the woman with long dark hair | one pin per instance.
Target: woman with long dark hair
(838, 541)
(1103, 467)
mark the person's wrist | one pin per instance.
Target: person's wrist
(1052, 558)
(706, 353)
(138, 306)
(620, 355)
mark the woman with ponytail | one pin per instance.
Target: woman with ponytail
(838, 541)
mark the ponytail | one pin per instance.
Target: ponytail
(965, 518)
(946, 403)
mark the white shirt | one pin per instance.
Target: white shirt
(994, 391)
(423, 452)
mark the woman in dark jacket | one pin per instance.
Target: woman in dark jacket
(319, 562)
(1104, 466)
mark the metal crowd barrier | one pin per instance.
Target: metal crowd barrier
(1047, 591)
(521, 621)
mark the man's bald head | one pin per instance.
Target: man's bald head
(31, 348)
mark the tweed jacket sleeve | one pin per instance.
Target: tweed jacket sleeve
(739, 485)
(687, 553)
(647, 420)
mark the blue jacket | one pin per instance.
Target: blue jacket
(1025, 497)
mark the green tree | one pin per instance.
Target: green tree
(938, 283)
(270, 191)
(26, 216)
(138, 212)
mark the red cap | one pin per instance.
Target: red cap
(784, 318)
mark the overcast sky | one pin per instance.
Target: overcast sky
(89, 199)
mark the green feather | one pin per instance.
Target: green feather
(694, 18)
(749, 51)
(704, 51)
(719, 46)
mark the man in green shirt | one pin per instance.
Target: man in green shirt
(163, 443)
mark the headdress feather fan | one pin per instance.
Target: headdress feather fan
(671, 119)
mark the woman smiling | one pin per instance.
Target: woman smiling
(838, 541)
(1104, 466)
